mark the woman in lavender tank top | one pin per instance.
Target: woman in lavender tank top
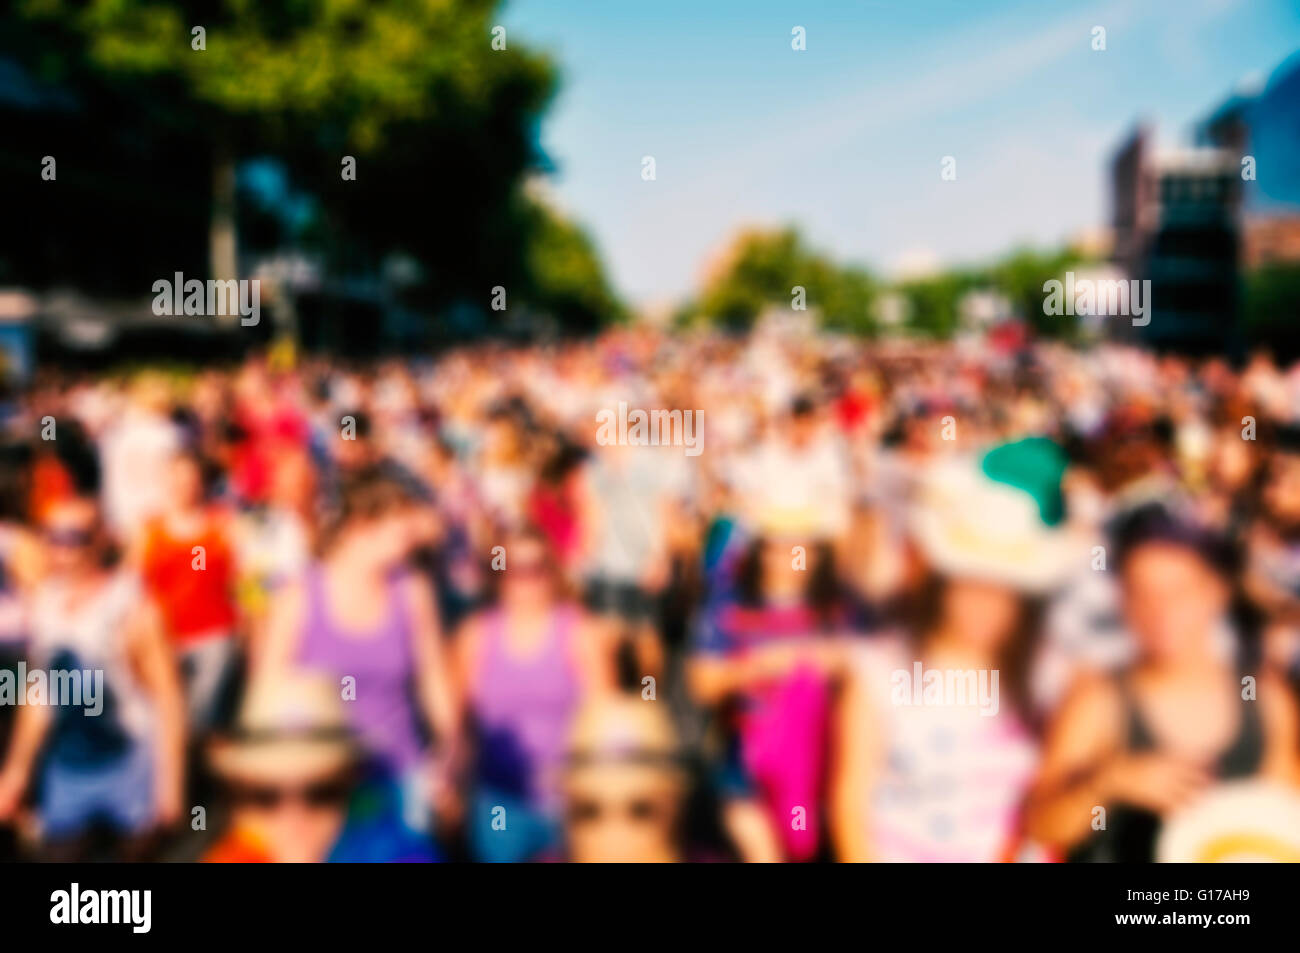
(524, 667)
(357, 617)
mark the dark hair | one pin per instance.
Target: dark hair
(822, 592)
(361, 423)
(368, 494)
(15, 481)
(75, 450)
(564, 457)
(210, 474)
(922, 613)
(803, 405)
(519, 531)
(1156, 523)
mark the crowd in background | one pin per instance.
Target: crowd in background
(417, 610)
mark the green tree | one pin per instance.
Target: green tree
(933, 302)
(1270, 307)
(762, 269)
(564, 275)
(1021, 275)
(442, 126)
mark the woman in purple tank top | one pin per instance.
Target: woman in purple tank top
(524, 666)
(357, 617)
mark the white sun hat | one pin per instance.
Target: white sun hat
(1249, 821)
(997, 518)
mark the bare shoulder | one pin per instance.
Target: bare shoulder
(1090, 717)
(1277, 700)
(417, 589)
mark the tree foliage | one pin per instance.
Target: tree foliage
(443, 129)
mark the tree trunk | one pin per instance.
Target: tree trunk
(222, 260)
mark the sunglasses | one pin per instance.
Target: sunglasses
(69, 537)
(638, 811)
(319, 796)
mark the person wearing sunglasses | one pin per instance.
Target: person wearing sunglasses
(525, 665)
(359, 615)
(292, 770)
(117, 762)
(625, 785)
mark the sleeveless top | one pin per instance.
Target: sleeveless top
(1131, 832)
(194, 605)
(383, 712)
(523, 707)
(952, 780)
(92, 637)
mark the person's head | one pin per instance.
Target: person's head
(777, 569)
(983, 616)
(996, 540)
(1175, 577)
(1281, 495)
(975, 617)
(801, 423)
(372, 522)
(74, 536)
(289, 766)
(624, 785)
(357, 450)
(523, 570)
(185, 480)
(1232, 460)
(502, 441)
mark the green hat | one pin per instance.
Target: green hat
(1035, 465)
(999, 517)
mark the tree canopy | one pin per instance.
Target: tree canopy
(442, 127)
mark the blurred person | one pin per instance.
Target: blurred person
(554, 502)
(1272, 572)
(359, 615)
(135, 451)
(21, 558)
(1234, 472)
(1083, 628)
(524, 666)
(21, 565)
(359, 450)
(503, 472)
(1150, 739)
(293, 773)
(761, 662)
(62, 468)
(273, 541)
(799, 472)
(626, 509)
(186, 559)
(457, 574)
(625, 785)
(123, 766)
(265, 421)
(935, 742)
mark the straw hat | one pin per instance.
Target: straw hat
(291, 726)
(998, 518)
(623, 731)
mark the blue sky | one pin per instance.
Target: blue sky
(845, 139)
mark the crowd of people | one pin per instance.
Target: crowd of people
(910, 601)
